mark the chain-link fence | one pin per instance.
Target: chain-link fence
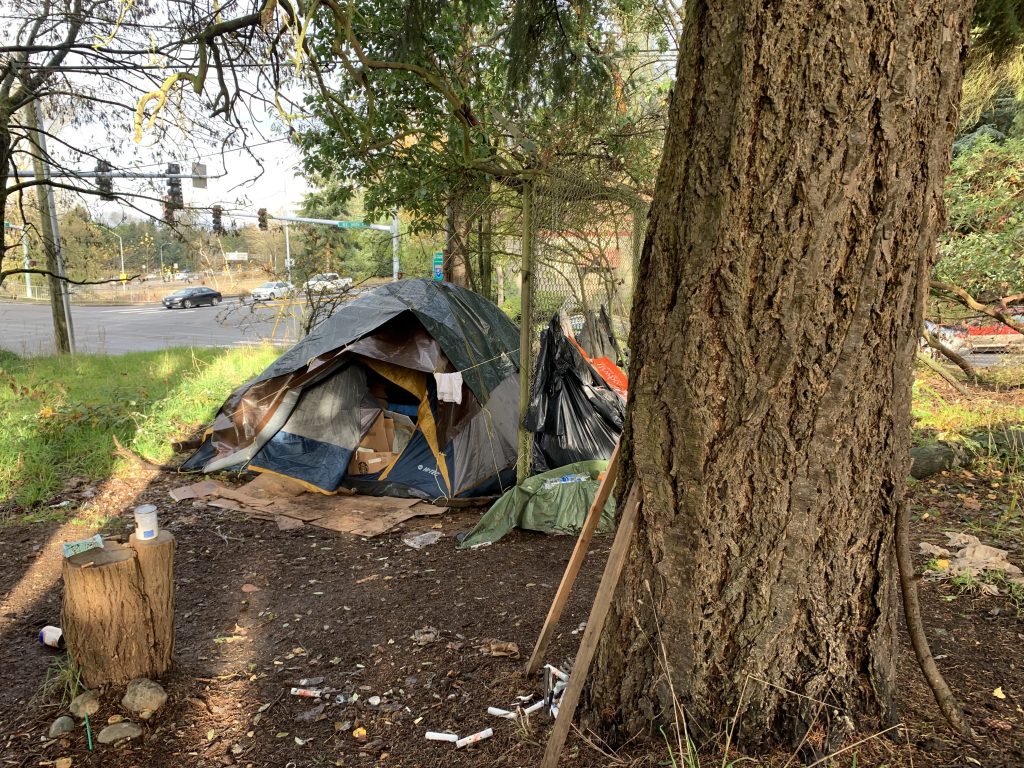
(580, 245)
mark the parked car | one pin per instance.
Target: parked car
(271, 290)
(192, 297)
(328, 282)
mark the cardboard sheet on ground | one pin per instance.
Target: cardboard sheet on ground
(370, 515)
(541, 504)
(273, 498)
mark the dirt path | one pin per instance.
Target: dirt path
(346, 609)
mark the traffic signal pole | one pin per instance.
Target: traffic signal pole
(60, 299)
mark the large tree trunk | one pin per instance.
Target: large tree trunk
(784, 272)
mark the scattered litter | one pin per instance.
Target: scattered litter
(84, 545)
(308, 693)
(501, 713)
(998, 693)
(423, 540)
(972, 558)
(533, 707)
(367, 578)
(61, 505)
(426, 636)
(373, 701)
(62, 762)
(51, 636)
(580, 628)
(557, 673)
(346, 698)
(486, 733)
(501, 648)
(302, 742)
(359, 734)
(250, 588)
(308, 681)
(435, 736)
(577, 477)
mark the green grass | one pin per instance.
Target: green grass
(59, 416)
(950, 418)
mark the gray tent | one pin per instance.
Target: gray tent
(373, 362)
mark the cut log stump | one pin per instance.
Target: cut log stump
(118, 612)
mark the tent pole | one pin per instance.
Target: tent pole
(526, 335)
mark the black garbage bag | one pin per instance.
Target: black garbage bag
(573, 414)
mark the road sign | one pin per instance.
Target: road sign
(350, 225)
(439, 265)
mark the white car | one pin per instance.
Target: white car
(328, 282)
(274, 289)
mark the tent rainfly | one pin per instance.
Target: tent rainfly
(410, 390)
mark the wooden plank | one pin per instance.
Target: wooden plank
(591, 635)
(572, 570)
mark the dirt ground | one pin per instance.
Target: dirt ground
(345, 609)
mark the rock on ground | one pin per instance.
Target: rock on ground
(62, 724)
(144, 695)
(119, 731)
(87, 703)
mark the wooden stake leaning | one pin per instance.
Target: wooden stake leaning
(572, 570)
(598, 614)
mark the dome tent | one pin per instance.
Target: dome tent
(307, 414)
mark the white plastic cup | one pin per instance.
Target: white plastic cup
(146, 527)
(52, 636)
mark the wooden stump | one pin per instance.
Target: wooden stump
(118, 613)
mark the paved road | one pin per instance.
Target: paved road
(26, 329)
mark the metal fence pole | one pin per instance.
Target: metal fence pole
(526, 332)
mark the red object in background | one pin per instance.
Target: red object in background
(995, 329)
(613, 376)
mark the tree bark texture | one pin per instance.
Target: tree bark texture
(118, 610)
(784, 271)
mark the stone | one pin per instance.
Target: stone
(119, 731)
(144, 695)
(62, 724)
(62, 762)
(87, 703)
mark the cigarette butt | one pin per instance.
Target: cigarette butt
(533, 707)
(501, 713)
(557, 672)
(308, 693)
(435, 736)
(486, 733)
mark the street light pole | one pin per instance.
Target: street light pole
(163, 275)
(120, 242)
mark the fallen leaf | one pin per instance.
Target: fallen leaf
(998, 693)
(281, 734)
(972, 503)
(211, 735)
(359, 734)
(250, 588)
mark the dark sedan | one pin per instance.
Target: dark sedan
(192, 297)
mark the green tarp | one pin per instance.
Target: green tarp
(537, 505)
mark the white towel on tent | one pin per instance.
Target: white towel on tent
(449, 387)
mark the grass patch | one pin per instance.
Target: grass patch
(937, 416)
(59, 415)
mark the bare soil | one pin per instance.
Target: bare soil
(345, 609)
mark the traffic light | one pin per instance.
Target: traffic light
(104, 183)
(174, 187)
(218, 224)
(261, 216)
